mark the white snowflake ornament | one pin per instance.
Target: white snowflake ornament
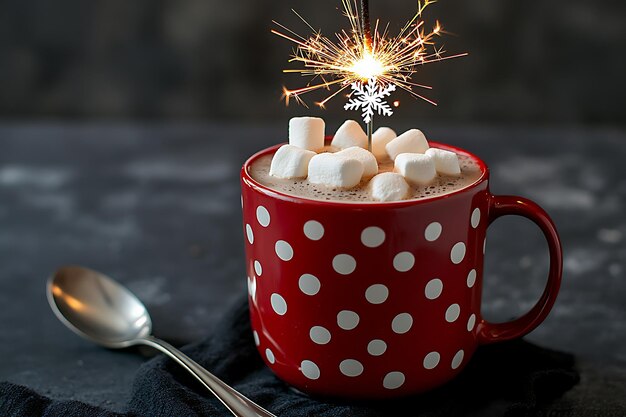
(370, 98)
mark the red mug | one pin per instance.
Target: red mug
(377, 300)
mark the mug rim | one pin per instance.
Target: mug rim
(251, 182)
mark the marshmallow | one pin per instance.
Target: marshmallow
(291, 162)
(370, 166)
(389, 186)
(380, 139)
(411, 141)
(330, 169)
(350, 134)
(416, 167)
(446, 162)
(306, 132)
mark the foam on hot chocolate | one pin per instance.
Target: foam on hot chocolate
(442, 184)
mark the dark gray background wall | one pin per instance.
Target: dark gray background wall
(538, 61)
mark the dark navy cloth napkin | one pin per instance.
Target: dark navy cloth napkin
(517, 376)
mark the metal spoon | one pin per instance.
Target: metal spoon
(103, 311)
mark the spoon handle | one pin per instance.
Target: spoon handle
(237, 403)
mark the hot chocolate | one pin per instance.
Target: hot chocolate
(442, 184)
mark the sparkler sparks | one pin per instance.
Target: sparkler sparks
(358, 56)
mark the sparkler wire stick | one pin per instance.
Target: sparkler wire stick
(365, 21)
(370, 127)
(367, 35)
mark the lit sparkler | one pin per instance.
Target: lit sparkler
(359, 54)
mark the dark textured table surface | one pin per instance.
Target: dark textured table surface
(157, 207)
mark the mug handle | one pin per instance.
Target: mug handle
(511, 205)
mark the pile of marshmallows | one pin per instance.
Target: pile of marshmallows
(414, 161)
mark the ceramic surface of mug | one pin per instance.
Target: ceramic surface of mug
(377, 300)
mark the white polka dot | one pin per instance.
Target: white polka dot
(263, 216)
(431, 360)
(484, 245)
(471, 278)
(372, 237)
(347, 319)
(376, 347)
(458, 358)
(393, 380)
(256, 338)
(402, 323)
(249, 234)
(376, 294)
(310, 369)
(471, 322)
(457, 253)
(283, 250)
(270, 356)
(278, 304)
(319, 335)
(313, 230)
(452, 313)
(344, 264)
(252, 287)
(432, 232)
(351, 367)
(241, 201)
(403, 261)
(258, 268)
(309, 284)
(433, 288)
(475, 217)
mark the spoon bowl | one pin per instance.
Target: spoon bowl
(97, 308)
